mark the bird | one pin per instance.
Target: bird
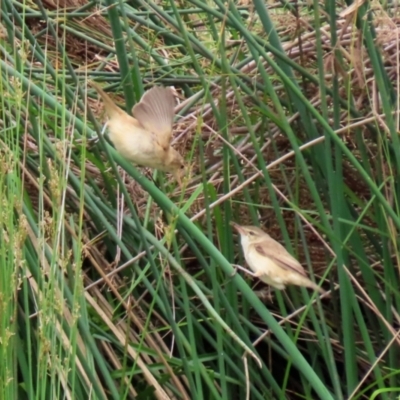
(145, 138)
(270, 261)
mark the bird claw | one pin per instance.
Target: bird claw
(235, 268)
(93, 141)
(90, 142)
(265, 294)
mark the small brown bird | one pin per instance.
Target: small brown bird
(145, 139)
(270, 261)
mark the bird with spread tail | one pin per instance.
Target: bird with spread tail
(145, 138)
(270, 261)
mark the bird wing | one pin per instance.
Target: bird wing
(155, 112)
(280, 256)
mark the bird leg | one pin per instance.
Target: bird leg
(243, 269)
(257, 274)
(265, 294)
(92, 141)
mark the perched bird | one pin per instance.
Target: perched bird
(270, 261)
(145, 138)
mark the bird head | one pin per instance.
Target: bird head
(252, 234)
(176, 165)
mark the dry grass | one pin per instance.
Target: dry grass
(104, 274)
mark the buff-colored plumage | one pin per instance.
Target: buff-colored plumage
(270, 261)
(145, 138)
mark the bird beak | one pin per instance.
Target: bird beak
(237, 227)
(178, 177)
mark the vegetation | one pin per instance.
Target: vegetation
(116, 283)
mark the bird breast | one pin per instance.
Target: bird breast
(134, 142)
(260, 263)
(272, 274)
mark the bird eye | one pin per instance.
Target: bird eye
(182, 166)
(251, 233)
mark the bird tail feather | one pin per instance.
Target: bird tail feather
(314, 286)
(112, 109)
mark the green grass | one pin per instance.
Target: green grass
(117, 284)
